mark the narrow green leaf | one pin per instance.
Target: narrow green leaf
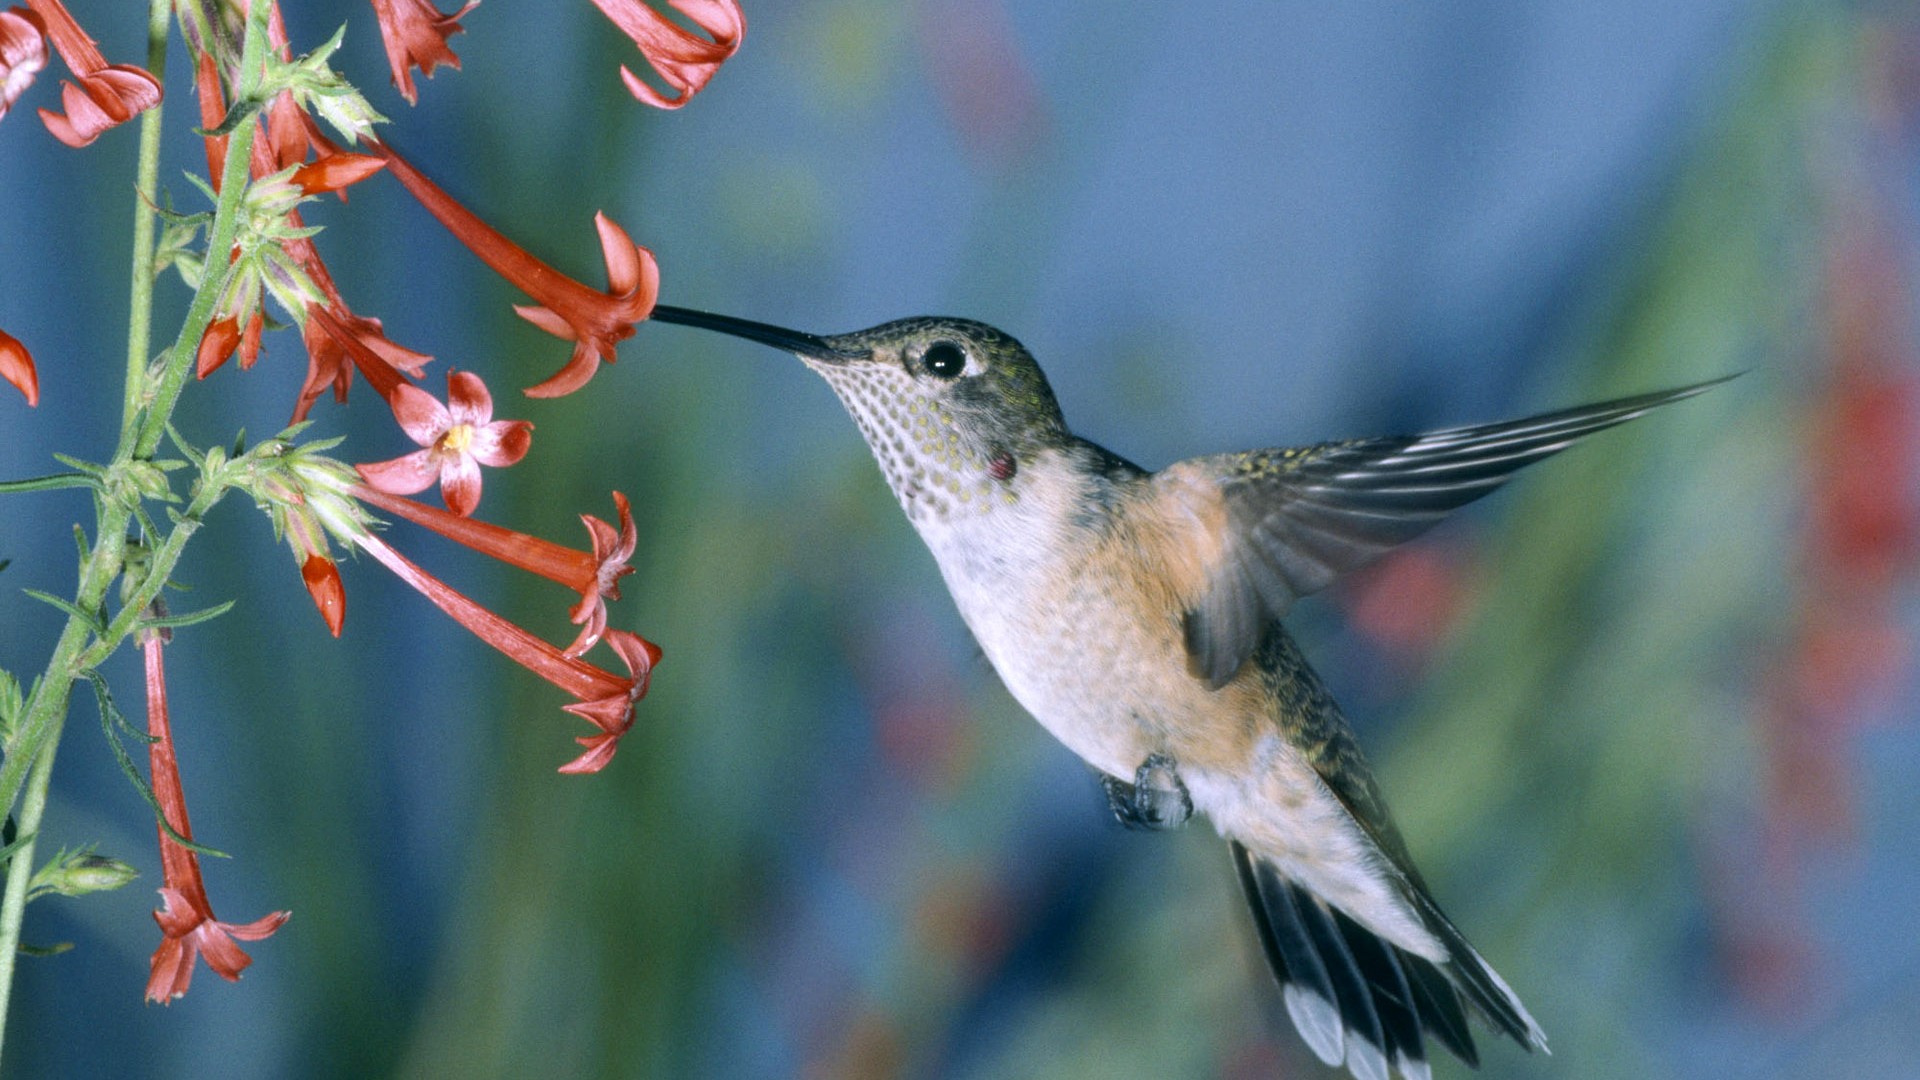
(146, 523)
(93, 621)
(11, 703)
(54, 949)
(49, 483)
(109, 714)
(87, 467)
(242, 110)
(188, 619)
(180, 444)
(321, 446)
(16, 844)
(205, 189)
(175, 217)
(105, 695)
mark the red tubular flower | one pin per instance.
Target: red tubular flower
(16, 366)
(186, 919)
(416, 35)
(595, 574)
(455, 440)
(107, 94)
(338, 341)
(603, 699)
(685, 60)
(342, 336)
(355, 337)
(23, 52)
(595, 321)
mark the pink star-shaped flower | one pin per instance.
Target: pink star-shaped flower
(455, 440)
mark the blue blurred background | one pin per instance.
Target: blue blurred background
(1646, 718)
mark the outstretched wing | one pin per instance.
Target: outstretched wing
(1299, 518)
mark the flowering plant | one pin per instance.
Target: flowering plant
(280, 129)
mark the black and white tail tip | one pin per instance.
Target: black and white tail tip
(1366, 1003)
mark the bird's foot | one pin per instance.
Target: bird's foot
(1157, 798)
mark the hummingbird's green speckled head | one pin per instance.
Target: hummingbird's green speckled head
(951, 408)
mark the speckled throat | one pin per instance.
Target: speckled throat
(937, 468)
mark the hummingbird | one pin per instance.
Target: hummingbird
(1136, 616)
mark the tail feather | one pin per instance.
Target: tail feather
(1367, 1045)
(1439, 1007)
(1304, 984)
(1363, 1001)
(1483, 988)
(1392, 997)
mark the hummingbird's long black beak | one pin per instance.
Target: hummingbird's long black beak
(779, 337)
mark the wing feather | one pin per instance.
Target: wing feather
(1297, 519)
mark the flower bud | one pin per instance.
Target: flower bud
(81, 872)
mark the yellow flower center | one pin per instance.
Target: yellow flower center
(457, 438)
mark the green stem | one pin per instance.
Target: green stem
(226, 221)
(147, 187)
(19, 871)
(40, 720)
(158, 571)
(28, 760)
(47, 707)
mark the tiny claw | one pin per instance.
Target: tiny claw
(1145, 805)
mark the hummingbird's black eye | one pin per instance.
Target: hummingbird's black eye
(944, 360)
